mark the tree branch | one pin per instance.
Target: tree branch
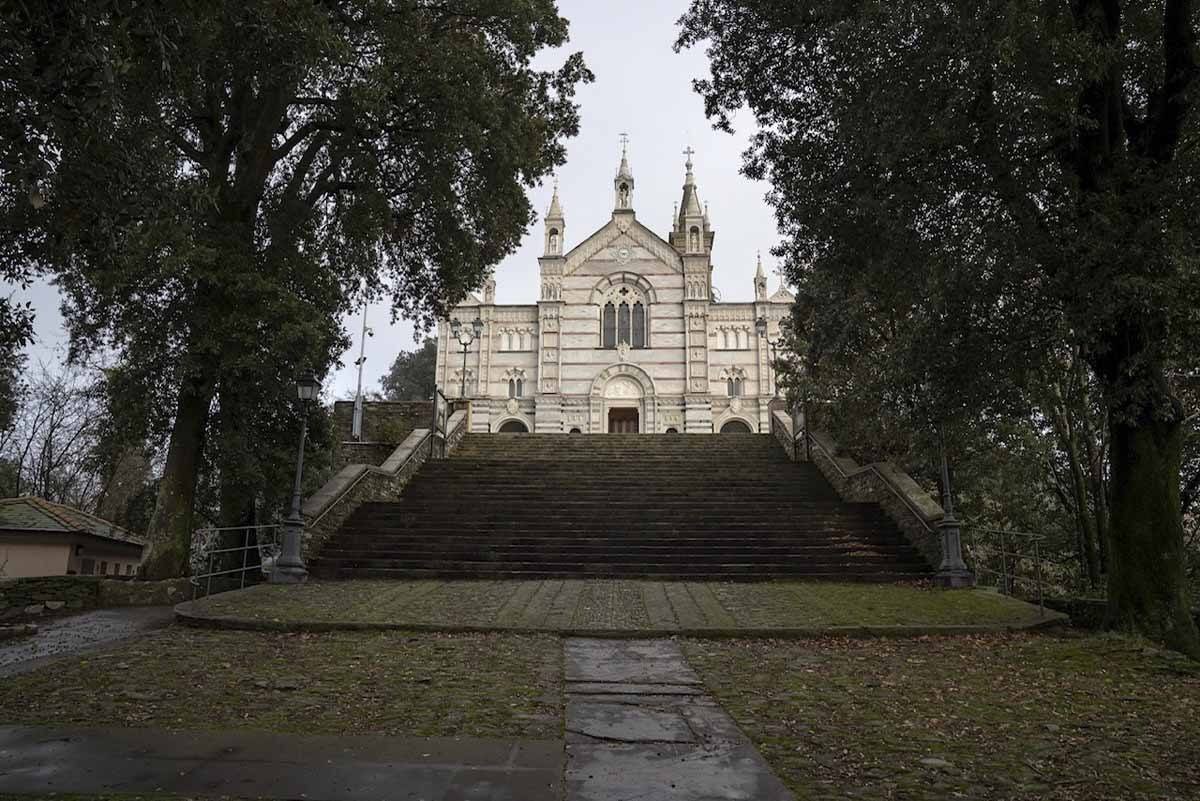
(1170, 104)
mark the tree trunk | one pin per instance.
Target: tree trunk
(170, 530)
(1147, 590)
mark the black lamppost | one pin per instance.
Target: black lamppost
(289, 566)
(760, 326)
(465, 337)
(953, 571)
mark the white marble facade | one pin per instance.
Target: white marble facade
(626, 335)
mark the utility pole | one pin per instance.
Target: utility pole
(356, 425)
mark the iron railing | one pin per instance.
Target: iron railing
(1015, 560)
(232, 555)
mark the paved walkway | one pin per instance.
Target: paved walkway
(639, 726)
(256, 764)
(63, 636)
(602, 607)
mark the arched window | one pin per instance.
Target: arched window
(520, 387)
(608, 326)
(731, 388)
(725, 338)
(508, 340)
(694, 239)
(576, 431)
(639, 326)
(512, 388)
(554, 240)
(623, 323)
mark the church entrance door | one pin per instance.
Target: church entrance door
(622, 421)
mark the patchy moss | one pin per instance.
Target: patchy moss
(385, 683)
(996, 717)
(618, 605)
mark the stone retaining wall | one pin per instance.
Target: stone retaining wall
(24, 597)
(385, 425)
(356, 484)
(901, 498)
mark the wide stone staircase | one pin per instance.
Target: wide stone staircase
(728, 506)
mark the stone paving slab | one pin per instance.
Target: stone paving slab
(76, 633)
(619, 608)
(256, 764)
(627, 661)
(678, 745)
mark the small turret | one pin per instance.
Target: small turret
(692, 234)
(556, 226)
(623, 183)
(760, 281)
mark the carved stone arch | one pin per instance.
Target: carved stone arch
(610, 282)
(731, 416)
(514, 418)
(627, 370)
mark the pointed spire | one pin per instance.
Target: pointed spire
(555, 212)
(623, 171)
(760, 281)
(623, 183)
(689, 206)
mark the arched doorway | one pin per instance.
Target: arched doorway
(736, 427)
(514, 427)
(623, 405)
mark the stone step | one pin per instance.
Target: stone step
(632, 506)
(533, 573)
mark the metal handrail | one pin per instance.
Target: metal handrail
(1009, 577)
(262, 544)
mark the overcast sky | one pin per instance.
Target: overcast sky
(642, 88)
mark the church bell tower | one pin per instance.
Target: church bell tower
(623, 183)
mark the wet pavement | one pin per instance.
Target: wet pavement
(259, 764)
(64, 636)
(639, 726)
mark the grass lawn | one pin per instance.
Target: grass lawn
(998, 717)
(385, 683)
(618, 605)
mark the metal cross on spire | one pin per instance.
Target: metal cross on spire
(624, 142)
(689, 152)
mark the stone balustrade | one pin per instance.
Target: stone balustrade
(356, 484)
(901, 498)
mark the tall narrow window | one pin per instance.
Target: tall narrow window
(639, 326)
(729, 386)
(520, 387)
(512, 388)
(608, 327)
(623, 323)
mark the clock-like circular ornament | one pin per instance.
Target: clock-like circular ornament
(624, 254)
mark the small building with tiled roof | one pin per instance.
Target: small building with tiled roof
(43, 538)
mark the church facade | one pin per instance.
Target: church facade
(626, 336)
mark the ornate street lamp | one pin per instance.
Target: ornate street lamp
(760, 327)
(953, 571)
(465, 337)
(289, 567)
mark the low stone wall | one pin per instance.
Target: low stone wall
(781, 427)
(356, 484)
(376, 453)
(24, 597)
(901, 498)
(383, 421)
